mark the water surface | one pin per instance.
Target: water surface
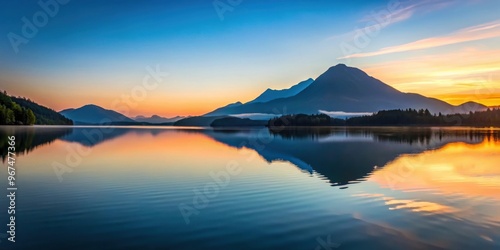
(154, 188)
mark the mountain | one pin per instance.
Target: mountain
(155, 119)
(470, 106)
(229, 106)
(237, 122)
(343, 88)
(93, 114)
(200, 121)
(22, 111)
(271, 94)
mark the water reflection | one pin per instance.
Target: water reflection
(347, 155)
(457, 168)
(341, 155)
(409, 135)
(418, 188)
(29, 138)
(92, 136)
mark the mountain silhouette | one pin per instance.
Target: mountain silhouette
(266, 96)
(202, 121)
(348, 89)
(156, 119)
(470, 106)
(272, 94)
(93, 114)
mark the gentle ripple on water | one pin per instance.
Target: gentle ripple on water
(289, 194)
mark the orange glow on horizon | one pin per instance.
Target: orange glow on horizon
(445, 76)
(458, 168)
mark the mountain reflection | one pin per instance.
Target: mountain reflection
(410, 135)
(345, 155)
(341, 155)
(29, 138)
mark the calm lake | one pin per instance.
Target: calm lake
(187, 188)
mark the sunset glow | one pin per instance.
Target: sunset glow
(99, 58)
(449, 170)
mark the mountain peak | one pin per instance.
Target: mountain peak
(470, 106)
(93, 107)
(90, 106)
(347, 89)
(84, 107)
(339, 66)
(93, 114)
(471, 103)
(343, 68)
(156, 119)
(272, 94)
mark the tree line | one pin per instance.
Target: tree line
(12, 113)
(399, 117)
(44, 115)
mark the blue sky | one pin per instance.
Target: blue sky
(96, 51)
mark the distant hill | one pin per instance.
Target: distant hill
(155, 119)
(347, 89)
(469, 106)
(93, 114)
(199, 121)
(22, 111)
(237, 122)
(272, 94)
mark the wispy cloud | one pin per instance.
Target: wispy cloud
(474, 33)
(404, 11)
(446, 76)
(408, 8)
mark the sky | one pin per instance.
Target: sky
(190, 57)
